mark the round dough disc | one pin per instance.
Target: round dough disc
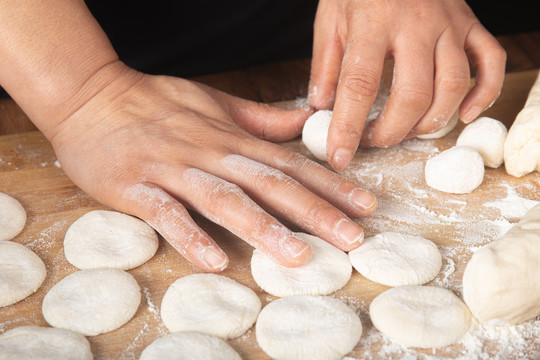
(93, 301)
(185, 345)
(395, 259)
(210, 304)
(44, 343)
(327, 271)
(308, 327)
(420, 316)
(21, 272)
(109, 239)
(12, 217)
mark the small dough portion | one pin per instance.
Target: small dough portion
(445, 130)
(210, 304)
(458, 170)
(21, 272)
(486, 135)
(395, 259)
(92, 302)
(327, 270)
(308, 327)
(315, 133)
(420, 316)
(501, 283)
(185, 345)
(44, 343)
(109, 239)
(12, 217)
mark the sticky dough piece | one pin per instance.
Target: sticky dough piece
(395, 259)
(21, 272)
(420, 316)
(307, 327)
(93, 301)
(44, 343)
(209, 304)
(109, 239)
(12, 217)
(327, 270)
(487, 136)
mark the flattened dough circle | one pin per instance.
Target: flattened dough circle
(210, 304)
(12, 217)
(21, 272)
(328, 270)
(109, 239)
(93, 301)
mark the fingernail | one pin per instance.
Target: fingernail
(362, 199)
(215, 258)
(294, 247)
(349, 232)
(471, 114)
(342, 158)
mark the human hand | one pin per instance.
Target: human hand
(430, 41)
(153, 146)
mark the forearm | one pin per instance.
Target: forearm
(51, 56)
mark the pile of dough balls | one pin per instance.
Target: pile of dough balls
(460, 169)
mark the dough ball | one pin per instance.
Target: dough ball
(315, 133)
(93, 301)
(43, 343)
(307, 327)
(445, 130)
(420, 316)
(210, 304)
(21, 272)
(395, 259)
(486, 135)
(185, 345)
(458, 170)
(12, 217)
(328, 270)
(501, 283)
(109, 239)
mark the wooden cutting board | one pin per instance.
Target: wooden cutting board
(459, 224)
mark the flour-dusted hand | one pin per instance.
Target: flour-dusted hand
(430, 41)
(155, 146)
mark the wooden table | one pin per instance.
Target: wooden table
(459, 224)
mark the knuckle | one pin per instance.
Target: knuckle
(455, 82)
(360, 82)
(349, 129)
(318, 211)
(414, 99)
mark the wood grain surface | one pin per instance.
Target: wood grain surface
(457, 223)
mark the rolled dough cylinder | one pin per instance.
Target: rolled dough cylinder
(501, 283)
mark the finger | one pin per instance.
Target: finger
(286, 198)
(489, 59)
(152, 204)
(356, 91)
(227, 205)
(326, 61)
(410, 95)
(340, 192)
(452, 79)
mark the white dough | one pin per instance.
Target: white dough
(445, 130)
(501, 283)
(458, 170)
(210, 304)
(315, 133)
(420, 316)
(327, 270)
(93, 301)
(186, 345)
(486, 135)
(12, 217)
(395, 259)
(522, 145)
(21, 272)
(43, 343)
(109, 239)
(307, 327)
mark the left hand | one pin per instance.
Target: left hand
(430, 41)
